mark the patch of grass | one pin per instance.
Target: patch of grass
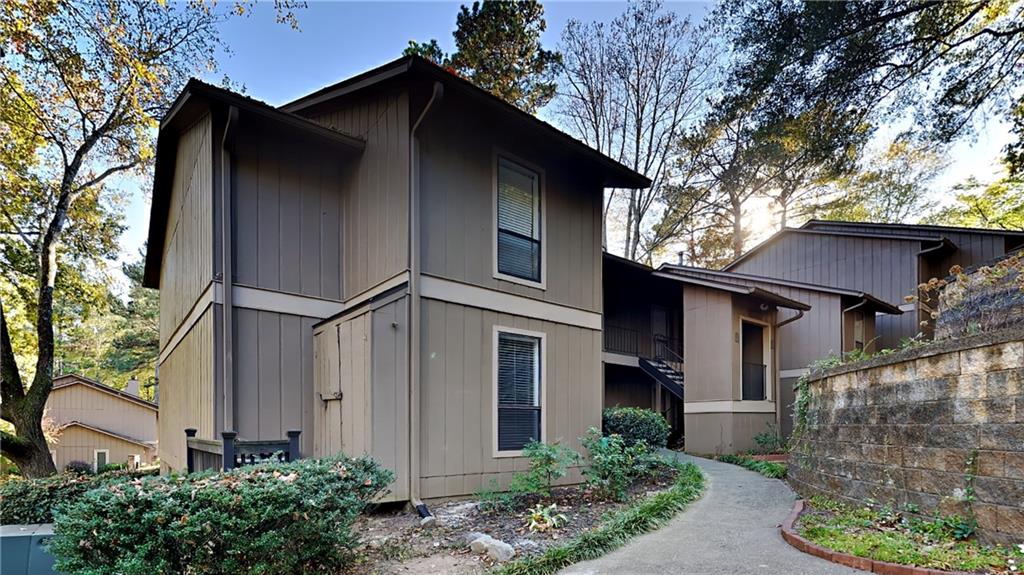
(619, 527)
(770, 469)
(885, 534)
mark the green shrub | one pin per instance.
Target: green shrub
(271, 518)
(109, 467)
(613, 465)
(548, 463)
(769, 441)
(79, 467)
(769, 469)
(636, 425)
(26, 501)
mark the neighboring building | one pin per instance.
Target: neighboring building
(669, 332)
(400, 264)
(99, 424)
(886, 260)
(839, 320)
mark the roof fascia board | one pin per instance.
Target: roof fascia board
(956, 229)
(347, 87)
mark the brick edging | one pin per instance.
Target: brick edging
(863, 563)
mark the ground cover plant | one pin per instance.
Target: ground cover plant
(771, 469)
(885, 533)
(626, 490)
(269, 518)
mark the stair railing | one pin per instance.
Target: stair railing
(663, 350)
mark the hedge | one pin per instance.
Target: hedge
(769, 469)
(28, 501)
(635, 425)
(271, 518)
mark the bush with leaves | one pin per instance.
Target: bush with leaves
(79, 467)
(27, 501)
(549, 462)
(613, 464)
(268, 518)
(635, 425)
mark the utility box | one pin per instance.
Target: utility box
(23, 550)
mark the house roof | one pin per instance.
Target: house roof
(875, 303)
(195, 99)
(753, 291)
(811, 232)
(615, 174)
(911, 229)
(70, 379)
(121, 436)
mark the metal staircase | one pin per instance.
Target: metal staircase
(664, 367)
(665, 374)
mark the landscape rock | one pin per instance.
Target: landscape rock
(496, 549)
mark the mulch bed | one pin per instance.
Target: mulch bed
(395, 542)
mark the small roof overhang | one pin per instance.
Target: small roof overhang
(871, 301)
(752, 291)
(614, 174)
(194, 100)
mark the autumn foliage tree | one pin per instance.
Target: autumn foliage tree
(83, 85)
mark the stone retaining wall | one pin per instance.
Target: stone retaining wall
(924, 427)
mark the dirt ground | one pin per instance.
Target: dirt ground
(395, 543)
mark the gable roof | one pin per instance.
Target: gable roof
(615, 174)
(910, 229)
(71, 379)
(196, 98)
(114, 434)
(876, 303)
(790, 231)
(740, 289)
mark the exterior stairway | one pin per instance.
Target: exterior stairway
(664, 374)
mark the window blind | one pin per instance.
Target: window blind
(518, 221)
(518, 390)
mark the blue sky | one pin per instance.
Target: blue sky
(339, 39)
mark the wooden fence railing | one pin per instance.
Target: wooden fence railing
(231, 452)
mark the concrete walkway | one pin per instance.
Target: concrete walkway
(732, 529)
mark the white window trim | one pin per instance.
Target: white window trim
(497, 156)
(769, 356)
(541, 391)
(95, 459)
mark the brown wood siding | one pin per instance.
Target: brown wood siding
(374, 206)
(187, 267)
(186, 390)
(273, 357)
(103, 410)
(456, 413)
(363, 360)
(458, 147)
(287, 214)
(708, 335)
(883, 267)
(78, 444)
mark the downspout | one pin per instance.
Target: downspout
(775, 350)
(227, 268)
(845, 311)
(414, 308)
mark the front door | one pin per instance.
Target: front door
(754, 368)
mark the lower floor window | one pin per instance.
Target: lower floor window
(519, 411)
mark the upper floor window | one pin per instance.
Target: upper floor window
(519, 222)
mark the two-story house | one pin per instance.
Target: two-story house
(400, 264)
(97, 424)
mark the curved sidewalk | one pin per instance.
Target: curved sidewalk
(732, 529)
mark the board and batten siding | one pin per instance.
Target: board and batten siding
(84, 403)
(273, 361)
(79, 443)
(887, 268)
(375, 204)
(457, 395)
(287, 208)
(187, 267)
(457, 179)
(362, 377)
(187, 391)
